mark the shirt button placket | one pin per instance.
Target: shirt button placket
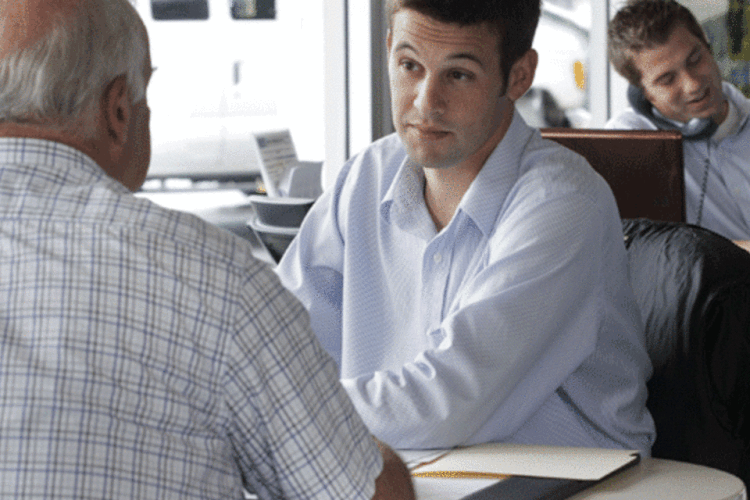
(437, 281)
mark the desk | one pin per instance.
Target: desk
(651, 479)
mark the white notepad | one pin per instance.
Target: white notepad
(503, 460)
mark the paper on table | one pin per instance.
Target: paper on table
(502, 460)
(415, 458)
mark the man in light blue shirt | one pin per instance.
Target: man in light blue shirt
(661, 49)
(468, 276)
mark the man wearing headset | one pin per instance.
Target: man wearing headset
(661, 49)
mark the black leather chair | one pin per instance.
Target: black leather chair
(693, 288)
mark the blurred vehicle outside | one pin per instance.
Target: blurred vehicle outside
(559, 95)
(225, 69)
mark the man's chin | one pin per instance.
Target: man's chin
(712, 111)
(430, 160)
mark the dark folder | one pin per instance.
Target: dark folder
(527, 472)
(538, 488)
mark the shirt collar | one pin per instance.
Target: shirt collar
(742, 105)
(730, 125)
(65, 163)
(403, 203)
(486, 195)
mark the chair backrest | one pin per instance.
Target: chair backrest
(644, 168)
(693, 288)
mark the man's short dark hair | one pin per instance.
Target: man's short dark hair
(515, 21)
(645, 24)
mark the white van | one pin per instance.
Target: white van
(220, 76)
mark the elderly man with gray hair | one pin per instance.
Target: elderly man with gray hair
(144, 353)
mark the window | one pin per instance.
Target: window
(727, 29)
(221, 77)
(172, 10)
(253, 9)
(559, 96)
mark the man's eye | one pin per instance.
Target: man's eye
(460, 75)
(409, 65)
(665, 81)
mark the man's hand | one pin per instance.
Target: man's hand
(394, 483)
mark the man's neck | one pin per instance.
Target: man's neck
(444, 189)
(30, 131)
(90, 147)
(722, 114)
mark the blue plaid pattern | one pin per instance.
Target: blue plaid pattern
(147, 354)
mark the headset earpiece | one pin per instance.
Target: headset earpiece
(695, 129)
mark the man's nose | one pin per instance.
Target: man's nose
(691, 82)
(430, 99)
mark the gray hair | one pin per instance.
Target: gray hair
(58, 81)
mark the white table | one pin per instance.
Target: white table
(651, 479)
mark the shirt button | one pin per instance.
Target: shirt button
(437, 258)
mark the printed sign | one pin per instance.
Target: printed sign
(276, 157)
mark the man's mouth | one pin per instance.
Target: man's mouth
(428, 132)
(702, 97)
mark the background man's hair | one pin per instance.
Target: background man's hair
(515, 21)
(58, 81)
(645, 24)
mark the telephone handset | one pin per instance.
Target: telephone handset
(695, 129)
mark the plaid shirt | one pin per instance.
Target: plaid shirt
(147, 354)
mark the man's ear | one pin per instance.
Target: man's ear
(116, 110)
(522, 75)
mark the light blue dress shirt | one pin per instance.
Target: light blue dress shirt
(514, 323)
(723, 167)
